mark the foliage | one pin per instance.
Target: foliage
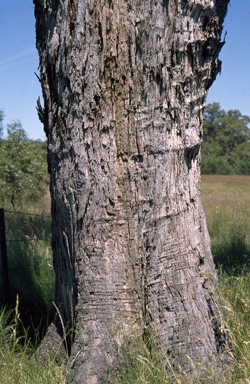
(1, 122)
(23, 169)
(226, 142)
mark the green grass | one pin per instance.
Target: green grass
(31, 274)
(226, 201)
(236, 290)
(139, 365)
(18, 361)
(31, 278)
(143, 364)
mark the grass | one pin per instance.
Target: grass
(139, 365)
(236, 290)
(18, 362)
(226, 201)
(31, 274)
(31, 278)
(143, 364)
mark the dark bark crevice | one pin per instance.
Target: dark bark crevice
(221, 337)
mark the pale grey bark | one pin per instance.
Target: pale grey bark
(125, 85)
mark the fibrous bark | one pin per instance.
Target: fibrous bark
(125, 84)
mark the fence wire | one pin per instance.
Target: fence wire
(28, 244)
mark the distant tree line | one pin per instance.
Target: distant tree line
(226, 142)
(23, 167)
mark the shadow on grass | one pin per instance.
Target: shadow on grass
(31, 274)
(232, 254)
(24, 226)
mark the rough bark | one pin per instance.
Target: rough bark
(124, 85)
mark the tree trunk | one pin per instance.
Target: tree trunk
(124, 86)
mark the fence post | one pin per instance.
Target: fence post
(3, 248)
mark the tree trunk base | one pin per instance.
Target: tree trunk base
(52, 346)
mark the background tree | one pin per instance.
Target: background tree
(124, 86)
(23, 168)
(226, 145)
(1, 122)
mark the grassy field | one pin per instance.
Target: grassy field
(226, 200)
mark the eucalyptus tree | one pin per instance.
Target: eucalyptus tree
(124, 86)
(226, 147)
(23, 169)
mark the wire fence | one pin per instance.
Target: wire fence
(23, 226)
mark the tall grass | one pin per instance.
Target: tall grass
(23, 324)
(18, 361)
(31, 274)
(236, 290)
(226, 200)
(143, 363)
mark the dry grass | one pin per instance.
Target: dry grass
(226, 201)
(225, 183)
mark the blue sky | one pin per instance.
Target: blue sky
(232, 88)
(19, 87)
